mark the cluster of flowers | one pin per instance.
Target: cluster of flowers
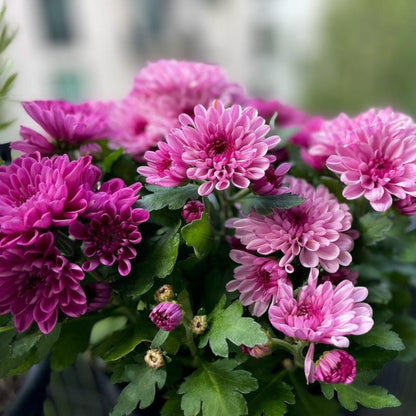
(184, 122)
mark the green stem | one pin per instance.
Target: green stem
(283, 345)
(239, 195)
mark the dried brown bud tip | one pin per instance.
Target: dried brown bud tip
(164, 294)
(154, 358)
(199, 324)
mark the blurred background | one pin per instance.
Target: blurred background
(321, 56)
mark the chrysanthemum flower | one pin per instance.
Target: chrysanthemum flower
(341, 274)
(258, 279)
(322, 313)
(406, 206)
(316, 230)
(98, 295)
(192, 211)
(224, 146)
(258, 351)
(272, 181)
(38, 193)
(36, 282)
(178, 86)
(166, 315)
(336, 366)
(110, 227)
(379, 162)
(66, 126)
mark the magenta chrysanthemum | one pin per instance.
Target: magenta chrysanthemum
(336, 366)
(258, 279)
(406, 206)
(110, 227)
(316, 230)
(272, 181)
(36, 282)
(192, 211)
(98, 295)
(379, 162)
(178, 86)
(66, 126)
(38, 193)
(166, 315)
(225, 145)
(322, 313)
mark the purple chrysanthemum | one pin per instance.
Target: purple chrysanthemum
(379, 162)
(36, 282)
(98, 295)
(272, 181)
(406, 206)
(166, 315)
(322, 313)
(38, 193)
(109, 228)
(67, 126)
(258, 280)
(316, 230)
(192, 211)
(341, 274)
(178, 86)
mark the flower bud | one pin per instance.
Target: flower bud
(192, 211)
(258, 351)
(336, 366)
(166, 315)
(154, 358)
(164, 294)
(199, 324)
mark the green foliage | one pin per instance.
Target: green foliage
(271, 398)
(373, 397)
(198, 234)
(374, 227)
(381, 336)
(228, 324)
(141, 390)
(174, 198)
(406, 328)
(265, 204)
(216, 389)
(110, 159)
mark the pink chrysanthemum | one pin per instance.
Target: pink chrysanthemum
(98, 295)
(192, 211)
(258, 351)
(379, 162)
(111, 229)
(322, 313)
(38, 193)
(66, 126)
(225, 145)
(337, 132)
(258, 279)
(272, 181)
(316, 230)
(138, 126)
(36, 282)
(334, 367)
(166, 315)
(406, 206)
(178, 86)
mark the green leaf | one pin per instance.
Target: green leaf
(110, 159)
(374, 227)
(141, 390)
(229, 324)
(74, 339)
(198, 234)
(265, 204)
(160, 337)
(379, 293)
(371, 396)
(216, 389)
(172, 406)
(271, 399)
(381, 336)
(406, 328)
(174, 198)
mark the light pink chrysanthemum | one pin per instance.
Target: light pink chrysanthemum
(337, 132)
(379, 162)
(316, 230)
(225, 145)
(322, 313)
(165, 166)
(66, 126)
(38, 193)
(258, 279)
(138, 126)
(178, 86)
(192, 211)
(98, 295)
(334, 367)
(166, 315)
(272, 181)
(36, 282)
(111, 231)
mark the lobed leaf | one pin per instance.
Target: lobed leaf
(198, 234)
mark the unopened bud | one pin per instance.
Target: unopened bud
(154, 358)
(258, 351)
(199, 324)
(164, 294)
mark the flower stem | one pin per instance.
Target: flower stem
(239, 195)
